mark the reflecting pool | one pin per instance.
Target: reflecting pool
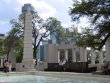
(46, 79)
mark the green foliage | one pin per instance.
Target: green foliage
(98, 13)
(52, 24)
(2, 50)
(62, 35)
(19, 56)
(1, 42)
(88, 39)
(12, 41)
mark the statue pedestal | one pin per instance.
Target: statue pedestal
(28, 66)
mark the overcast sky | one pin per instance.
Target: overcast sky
(10, 9)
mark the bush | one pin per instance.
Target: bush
(19, 57)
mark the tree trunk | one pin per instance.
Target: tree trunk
(34, 49)
(34, 52)
(103, 42)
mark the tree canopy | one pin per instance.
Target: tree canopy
(12, 42)
(98, 13)
(2, 50)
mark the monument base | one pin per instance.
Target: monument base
(28, 66)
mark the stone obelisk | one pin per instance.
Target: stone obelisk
(27, 63)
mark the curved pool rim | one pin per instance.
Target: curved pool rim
(86, 76)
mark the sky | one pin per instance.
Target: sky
(10, 9)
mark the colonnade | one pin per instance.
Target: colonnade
(82, 54)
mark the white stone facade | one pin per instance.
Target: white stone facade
(52, 53)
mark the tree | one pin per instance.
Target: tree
(53, 26)
(73, 34)
(89, 39)
(98, 12)
(62, 36)
(85, 38)
(50, 26)
(2, 50)
(41, 29)
(12, 42)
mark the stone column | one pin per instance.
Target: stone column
(28, 63)
(83, 54)
(1, 62)
(74, 55)
(58, 56)
(107, 45)
(66, 55)
(101, 58)
(92, 56)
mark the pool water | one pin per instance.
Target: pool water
(44, 79)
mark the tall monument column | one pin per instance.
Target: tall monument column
(27, 63)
